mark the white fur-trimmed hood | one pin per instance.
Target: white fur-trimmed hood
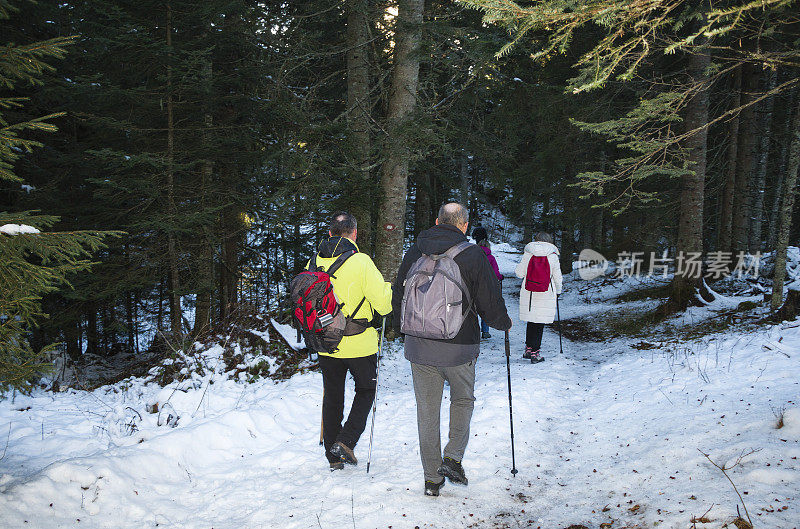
(541, 248)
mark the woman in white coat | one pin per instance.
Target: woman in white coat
(538, 308)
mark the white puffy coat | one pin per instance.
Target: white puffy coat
(539, 307)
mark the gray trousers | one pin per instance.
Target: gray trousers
(428, 388)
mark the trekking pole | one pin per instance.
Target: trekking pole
(510, 408)
(558, 312)
(375, 400)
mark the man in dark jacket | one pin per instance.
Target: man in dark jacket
(435, 361)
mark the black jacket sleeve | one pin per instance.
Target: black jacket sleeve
(487, 297)
(397, 288)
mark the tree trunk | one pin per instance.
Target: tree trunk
(175, 312)
(422, 203)
(464, 180)
(130, 317)
(772, 239)
(136, 322)
(394, 177)
(690, 221)
(787, 207)
(598, 234)
(744, 160)
(229, 266)
(160, 310)
(108, 338)
(757, 206)
(298, 257)
(724, 242)
(91, 328)
(72, 338)
(205, 255)
(360, 190)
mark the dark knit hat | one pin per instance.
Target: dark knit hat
(479, 233)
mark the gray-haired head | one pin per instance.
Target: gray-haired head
(342, 224)
(454, 214)
(543, 236)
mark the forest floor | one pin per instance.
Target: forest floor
(608, 434)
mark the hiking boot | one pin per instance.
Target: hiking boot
(452, 470)
(536, 357)
(432, 489)
(336, 465)
(485, 335)
(344, 453)
(528, 352)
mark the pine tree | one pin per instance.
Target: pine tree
(32, 263)
(638, 43)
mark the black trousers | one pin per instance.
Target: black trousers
(334, 376)
(533, 335)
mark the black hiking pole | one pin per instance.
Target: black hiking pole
(558, 312)
(375, 400)
(510, 408)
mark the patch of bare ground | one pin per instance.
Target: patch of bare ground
(658, 324)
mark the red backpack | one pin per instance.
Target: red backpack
(537, 279)
(318, 311)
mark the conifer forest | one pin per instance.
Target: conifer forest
(168, 167)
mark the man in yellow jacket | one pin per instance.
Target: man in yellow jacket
(356, 279)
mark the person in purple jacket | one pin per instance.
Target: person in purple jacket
(481, 238)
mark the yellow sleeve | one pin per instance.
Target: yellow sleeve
(377, 291)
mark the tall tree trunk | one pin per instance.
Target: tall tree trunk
(72, 338)
(690, 221)
(544, 222)
(298, 257)
(160, 307)
(394, 172)
(724, 242)
(130, 307)
(598, 234)
(360, 190)
(422, 203)
(789, 184)
(136, 322)
(464, 180)
(91, 328)
(757, 206)
(175, 312)
(781, 170)
(744, 159)
(528, 217)
(229, 266)
(106, 317)
(205, 254)
(130, 318)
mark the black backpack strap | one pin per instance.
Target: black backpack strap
(339, 262)
(356, 326)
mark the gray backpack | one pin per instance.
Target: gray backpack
(435, 296)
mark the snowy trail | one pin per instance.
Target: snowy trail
(603, 426)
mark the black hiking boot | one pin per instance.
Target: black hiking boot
(336, 465)
(344, 453)
(452, 470)
(528, 352)
(432, 489)
(485, 335)
(536, 357)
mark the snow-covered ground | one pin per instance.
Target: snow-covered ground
(605, 433)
